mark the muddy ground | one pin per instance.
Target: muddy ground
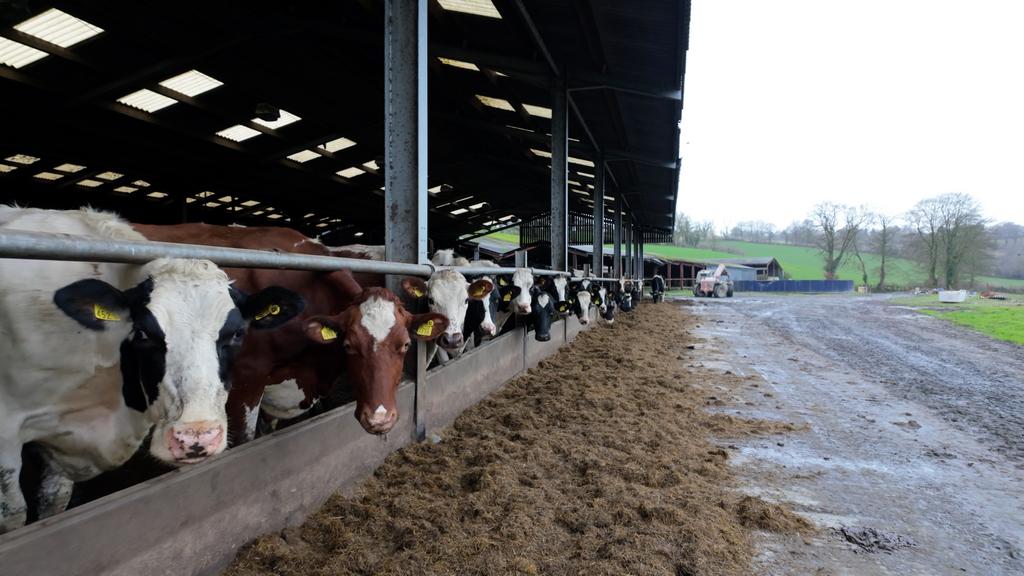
(596, 462)
(913, 457)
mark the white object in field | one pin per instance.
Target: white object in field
(952, 296)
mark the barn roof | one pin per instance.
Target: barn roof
(158, 111)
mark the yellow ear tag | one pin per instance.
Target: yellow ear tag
(426, 329)
(479, 291)
(328, 333)
(502, 282)
(272, 310)
(508, 297)
(417, 292)
(102, 313)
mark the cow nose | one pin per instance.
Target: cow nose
(191, 442)
(489, 328)
(542, 337)
(584, 320)
(523, 309)
(451, 340)
(379, 420)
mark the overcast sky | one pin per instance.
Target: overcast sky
(876, 102)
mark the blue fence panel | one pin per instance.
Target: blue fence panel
(793, 286)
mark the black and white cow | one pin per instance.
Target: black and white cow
(657, 288)
(580, 298)
(608, 303)
(96, 357)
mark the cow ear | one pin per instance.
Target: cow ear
(414, 287)
(268, 308)
(323, 330)
(540, 281)
(93, 303)
(503, 281)
(479, 289)
(428, 326)
(596, 299)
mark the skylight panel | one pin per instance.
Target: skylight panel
(475, 7)
(435, 189)
(157, 195)
(191, 83)
(458, 211)
(51, 176)
(125, 189)
(24, 159)
(538, 111)
(581, 161)
(541, 153)
(477, 206)
(89, 183)
(238, 133)
(358, 234)
(584, 175)
(304, 156)
(225, 199)
(212, 204)
(459, 64)
(147, 101)
(372, 165)
(498, 103)
(322, 225)
(69, 168)
(258, 213)
(204, 194)
(141, 184)
(17, 55)
(250, 203)
(338, 144)
(274, 216)
(109, 176)
(350, 172)
(4, 168)
(506, 218)
(58, 28)
(284, 119)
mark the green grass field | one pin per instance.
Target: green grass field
(1000, 319)
(804, 262)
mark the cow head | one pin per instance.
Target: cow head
(557, 288)
(579, 300)
(375, 332)
(481, 314)
(517, 292)
(184, 325)
(543, 310)
(449, 293)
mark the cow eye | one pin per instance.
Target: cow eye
(404, 348)
(430, 301)
(238, 334)
(467, 301)
(141, 335)
(348, 348)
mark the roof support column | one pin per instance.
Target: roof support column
(640, 253)
(629, 245)
(559, 180)
(617, 249)
(405, 155)
(597, 262)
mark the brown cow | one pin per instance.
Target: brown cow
(344, 328)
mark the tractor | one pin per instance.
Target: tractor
(714, 283)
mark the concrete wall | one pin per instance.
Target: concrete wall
(192, 521)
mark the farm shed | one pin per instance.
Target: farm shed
(379, 122)
(767, 267)
(737, 272)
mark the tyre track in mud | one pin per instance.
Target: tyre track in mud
(974, 382)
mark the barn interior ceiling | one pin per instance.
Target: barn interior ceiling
(272, 113)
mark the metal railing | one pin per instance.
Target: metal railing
(47, 246)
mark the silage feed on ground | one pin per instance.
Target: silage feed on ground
(596, 462)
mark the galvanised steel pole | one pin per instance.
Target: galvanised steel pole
(597, 260)
(559, 227)
(405, 155)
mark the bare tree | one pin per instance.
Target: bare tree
(838, 227)
(961, 233)
(925, 219)
(884, 239)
